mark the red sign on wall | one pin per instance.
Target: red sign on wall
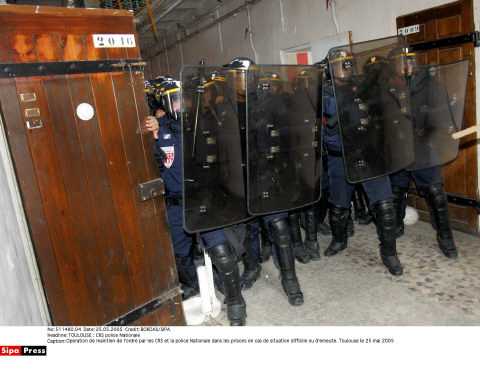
(302, 58)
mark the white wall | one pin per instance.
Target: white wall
(22, 300)
(303, 21)
(282, 24)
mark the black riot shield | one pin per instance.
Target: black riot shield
(437, 94)
(283, 138)
(214, 185)
(373, 107)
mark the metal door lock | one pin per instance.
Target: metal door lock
(151, 189)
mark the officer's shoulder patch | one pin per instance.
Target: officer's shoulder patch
(169, 156)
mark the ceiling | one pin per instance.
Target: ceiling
(171, 19)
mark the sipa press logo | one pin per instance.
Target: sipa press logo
(10, 350)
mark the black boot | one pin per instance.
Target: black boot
(438, 203)
(225, 260)
(385, 218)
(350, 225)
(251, 270)
(400, 202)
(187, 275)
(321, 211)
(251, 257)
(286, 260)
(338, 224)
(360, 206)
(299, 250)
(311, 242)
(266, 248)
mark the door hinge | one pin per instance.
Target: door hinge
(473, 37)
(464, 201)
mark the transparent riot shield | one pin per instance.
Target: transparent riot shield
(213, 174)
(283, 138)
(437, 94)
(373, 107)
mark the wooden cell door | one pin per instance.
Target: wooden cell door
(102, 252)
(437, 32)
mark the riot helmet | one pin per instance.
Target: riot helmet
(376, 69)
(405, 62)
(302, 80)
(411, 63)
(242, 63)
(170, 96)
(269, 83)
(324, 69)
(341, 64)
(214, 89)
(238, 68)
(152, 92)
(374, 64)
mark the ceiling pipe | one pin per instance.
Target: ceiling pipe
(197, 20)
(162, 14)
(203, 28)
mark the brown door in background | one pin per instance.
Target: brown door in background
(440, 24)
(104, 254)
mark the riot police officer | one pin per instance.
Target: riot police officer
(167, 133)
(347, 98)
(428, 181)
(305, 217)
(277, 224)
(184, 259)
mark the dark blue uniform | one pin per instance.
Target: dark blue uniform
(340, 194)
(428, 181)
(423, 177)
(378, 190)
(269, 178)
(169, 152)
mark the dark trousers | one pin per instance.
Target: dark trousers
(423, 177)
(182, 241)
(378, 189)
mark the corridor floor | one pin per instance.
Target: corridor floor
(354, 288)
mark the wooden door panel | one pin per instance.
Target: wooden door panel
(112, 258)
(129, 121)
(449, 26)
(32, 200)
(80, 207)
(162, 237)
(74, 47)
(123, 188)
(87, 173)
(439, 22)
(102, 253)
(56, 206)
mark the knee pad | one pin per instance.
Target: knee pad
(434, 195)
(385, 217)
(280, 230)
(223, 257)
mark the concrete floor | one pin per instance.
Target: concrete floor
(354, 288)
